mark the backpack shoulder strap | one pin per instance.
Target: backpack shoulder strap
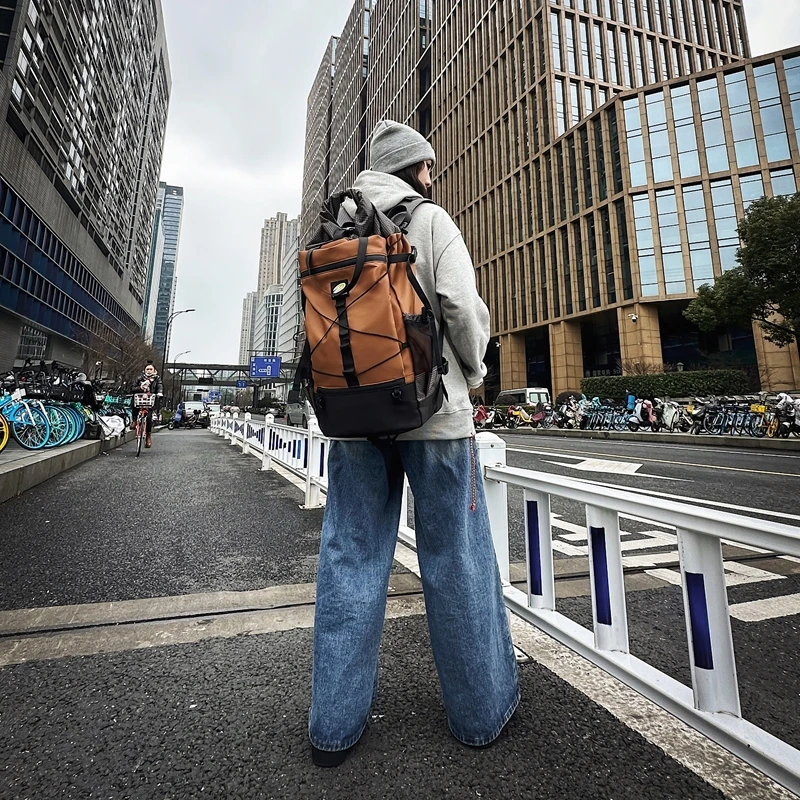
(401, 214)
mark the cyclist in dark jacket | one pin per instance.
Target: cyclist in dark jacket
(149, 381)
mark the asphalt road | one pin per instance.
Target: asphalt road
(763, 485)
(226, 717)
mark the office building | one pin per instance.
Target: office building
(83, 109)
(170, 207)
(597, 155)
(290, 326)
(267, 321)
(156, 263)
(277, 233)
(248, 327)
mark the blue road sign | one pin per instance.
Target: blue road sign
(265, 366)
(214, 395)
(241, 384)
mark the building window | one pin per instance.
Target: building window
(744, 136)
(697, 234)
(594, 272)
(670, 232)
(633, 127)
(716, 151)
(726, 222)
(562, 122)
(32, 344)
(585, 58)
(772, 121)
(580, 278)
(645, 245)
(792, 67)
(752, 187)
(783, 183)
(587, 168)
(554, 273)
(661, 158)
(616, 158)
(627, 65)
(556, 33)
(612, 57)
(685, 133)
(600, 157)
(575, 101)
(572, 56)
(639, 59)
(599, 61)
(624, 246)
(608, 254)
(567, 262)
(572, 170)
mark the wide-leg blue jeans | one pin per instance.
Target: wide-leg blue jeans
(466, 615)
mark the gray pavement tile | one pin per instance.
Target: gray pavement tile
(227, 719)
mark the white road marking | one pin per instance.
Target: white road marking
(768, 608)
(736, 574)
(661, 461)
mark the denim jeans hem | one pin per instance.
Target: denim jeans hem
(333, 747)
(484, 740)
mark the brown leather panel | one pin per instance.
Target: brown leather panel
(376, 337)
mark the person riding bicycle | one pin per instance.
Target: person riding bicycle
(149, 381)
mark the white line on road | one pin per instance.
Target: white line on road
(659, 461)
(768, 608)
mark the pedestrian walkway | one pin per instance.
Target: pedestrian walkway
(155, 641)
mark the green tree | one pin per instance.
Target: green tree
(765, 285)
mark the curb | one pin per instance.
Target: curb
(39, 467)
(740, 442)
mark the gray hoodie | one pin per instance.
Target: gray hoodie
(447, 276)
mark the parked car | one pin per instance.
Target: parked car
(214, 409)
(296, 414)
(191, 406)
(529, 396)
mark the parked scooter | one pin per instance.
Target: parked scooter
(644, 416)
(788, 412)
(517, 416)
(486, 418)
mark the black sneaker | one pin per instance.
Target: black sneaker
(329, 758)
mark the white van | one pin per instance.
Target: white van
(529, 396)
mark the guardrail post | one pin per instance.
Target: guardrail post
(234, 430)
(607, 580)
(539, 549)
(266, 454)
(492, 450)
(226, 431)
(314, 450)
(708, 624)
(245, 444)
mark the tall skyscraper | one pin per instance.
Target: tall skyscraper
(276, 233)
(154, 272)
(170, 206)
(596, 154)
(248, 327)
(84, 101)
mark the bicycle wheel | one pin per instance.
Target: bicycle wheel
(141, 432)
(60, 428)
(772, 426)
(758, 426)
(30, 427)
(4, 432)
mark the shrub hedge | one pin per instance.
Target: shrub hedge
(668, 384)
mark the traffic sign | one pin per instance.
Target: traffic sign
(265, 366)
(241, 384)
(214, 395)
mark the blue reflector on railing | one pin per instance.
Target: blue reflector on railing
(322, 459)
(698, 617)
(305, 455)
(534, 549)
(602, 593)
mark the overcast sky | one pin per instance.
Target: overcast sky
(241, 74)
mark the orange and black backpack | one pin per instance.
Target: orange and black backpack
(372, 364)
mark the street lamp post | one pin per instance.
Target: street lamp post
(172, 392)
(166, 337)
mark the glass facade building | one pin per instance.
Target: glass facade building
(598, 156)
(170, 212)
(83, 108)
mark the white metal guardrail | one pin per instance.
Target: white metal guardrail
(711, 705)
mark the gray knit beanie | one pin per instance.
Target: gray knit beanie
(396, 146)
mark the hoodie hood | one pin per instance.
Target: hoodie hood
(383, 190)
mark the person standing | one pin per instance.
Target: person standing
(466, 615)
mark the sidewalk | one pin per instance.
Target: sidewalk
(182, 666)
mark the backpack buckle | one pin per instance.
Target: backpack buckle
(413, 257)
